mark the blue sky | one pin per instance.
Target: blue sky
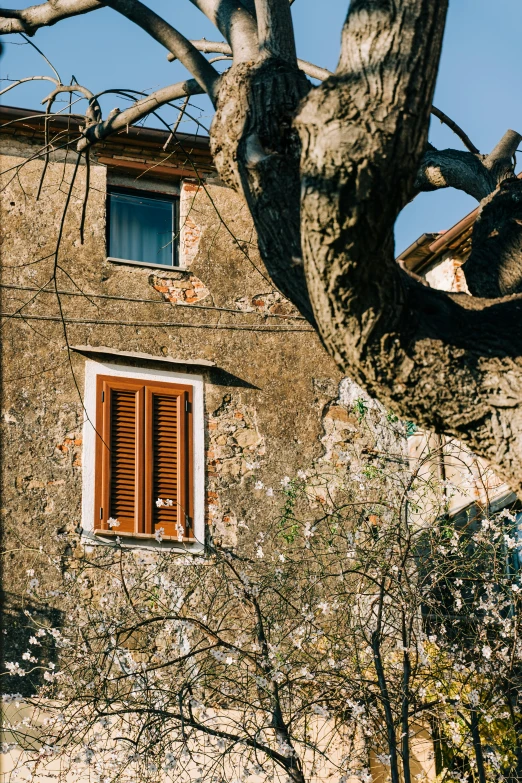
(479, 83)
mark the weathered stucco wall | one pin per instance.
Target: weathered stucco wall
(275, 404)
(263, 412)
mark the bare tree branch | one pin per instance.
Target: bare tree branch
(140, 109)
(29, 20)
(235, 23)
(220, 47)
(28, 79)
(174, 41)
(455, 169)
(177, 123)
(93, 113)
(455, 128)
(49, 63)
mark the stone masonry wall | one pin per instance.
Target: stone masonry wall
(262, 417)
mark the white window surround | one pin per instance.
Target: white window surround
(92, 370)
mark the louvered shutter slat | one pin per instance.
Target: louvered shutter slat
(119, 454)
(123, 458)
(165, 480)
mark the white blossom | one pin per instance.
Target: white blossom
(159, 533)
(322, 711)
(15, 669)
(112, 522)
(474, 698)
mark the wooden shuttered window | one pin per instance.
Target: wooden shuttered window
(143, 455)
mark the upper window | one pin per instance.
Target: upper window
(142, 227)
(144, 483)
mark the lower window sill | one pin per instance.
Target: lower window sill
(147, 265)
(145, 536)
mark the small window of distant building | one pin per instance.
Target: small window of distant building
(142, 227)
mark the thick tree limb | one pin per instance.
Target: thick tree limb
(455, 169)
(500, 160)
(275, 30)
(174, 41)
(234, 23)
(137, 111)
(452, 363)
(29, 20)
(494, 267)
(256, 151)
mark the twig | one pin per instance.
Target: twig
(456, 129)
(178, 120)
(49, 63)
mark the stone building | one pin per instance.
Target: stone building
(197, 311)
(156, 386)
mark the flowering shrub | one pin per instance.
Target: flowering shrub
(322, 644)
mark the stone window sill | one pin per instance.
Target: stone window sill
(158, 267)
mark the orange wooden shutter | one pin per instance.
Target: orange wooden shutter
(168, 459)
(119, 469)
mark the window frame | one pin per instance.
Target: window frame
(196, 463)
(144, 453)
(153, 195)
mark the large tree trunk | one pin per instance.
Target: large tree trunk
(451, 363)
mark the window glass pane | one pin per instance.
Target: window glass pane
(141, 229)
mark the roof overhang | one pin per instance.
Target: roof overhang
(428, 248)
(132, 150)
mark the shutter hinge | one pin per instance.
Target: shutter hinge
(101, 513)
(103, 396)
(188, 406)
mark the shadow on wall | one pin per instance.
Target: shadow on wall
(28, 623)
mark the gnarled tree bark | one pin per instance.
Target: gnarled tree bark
(449, 362)
(326, 170)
